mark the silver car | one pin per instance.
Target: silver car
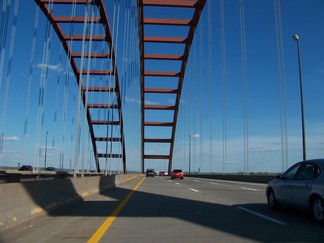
(302, 185)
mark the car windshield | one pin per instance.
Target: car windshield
(177, 171)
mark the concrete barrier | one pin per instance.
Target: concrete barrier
(244, 178)
(23, 202)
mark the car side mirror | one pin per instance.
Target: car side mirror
(280, 176)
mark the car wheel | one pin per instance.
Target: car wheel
(318, 209)
(272, 202)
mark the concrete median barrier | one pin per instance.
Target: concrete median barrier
(23, 202)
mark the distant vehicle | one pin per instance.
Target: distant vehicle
(161, 173)
(150, 172)
(26, 168)
(177, 174)
(50, 169)
(301, 186)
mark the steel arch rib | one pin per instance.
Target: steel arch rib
(197, 7)
(102, 19)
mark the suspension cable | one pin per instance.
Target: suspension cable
(80, 95)
(31, 69)
(201, 88)
(86, 92)
(42, 93)
(8, 76)
(224, 81)
(282, 86)
(66, 88)
(3, 34)
(245, 88)
(211, 88)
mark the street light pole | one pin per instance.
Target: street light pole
(296, 38)
(45, 151)
(189, 152)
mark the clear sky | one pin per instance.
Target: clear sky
(212, 103)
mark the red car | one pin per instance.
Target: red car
(161, 173)
(177, 174)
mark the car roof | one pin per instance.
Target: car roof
(317, 161)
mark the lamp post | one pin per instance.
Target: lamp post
(296, 38)
(45, 152)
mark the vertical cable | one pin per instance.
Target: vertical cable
(115, 75)
(211, 88)
(85, 92)
(8, 76)
(57, 92)
(31, 69)
(6, 4)
(224, 81)
(110, 98)
(282, 86)
(80, 95)
(245, 88)
(42, 93)
(66, 89)
(201, 88)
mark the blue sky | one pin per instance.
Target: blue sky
(203, 103)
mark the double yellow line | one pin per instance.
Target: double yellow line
(105, 226)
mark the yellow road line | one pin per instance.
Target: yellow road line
(105, 226)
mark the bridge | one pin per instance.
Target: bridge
(125, 86)
(115, 87)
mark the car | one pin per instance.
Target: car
(301, 186)
(161, 173)
(150, 172)
(177, 174)
(50, 168)
(25, 168)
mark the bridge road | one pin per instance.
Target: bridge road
(189, 210)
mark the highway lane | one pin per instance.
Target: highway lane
(189, 210)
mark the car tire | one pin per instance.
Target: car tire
(272, 202)
(317, 209)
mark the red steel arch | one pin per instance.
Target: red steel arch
(146, 12)
(57, 21)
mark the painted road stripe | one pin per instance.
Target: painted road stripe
(214, 183)
(105, 226)
(194, 190)
(263, 216)
(249, 189)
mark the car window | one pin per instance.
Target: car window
(307, 172)
(317, 171)
(291, 172)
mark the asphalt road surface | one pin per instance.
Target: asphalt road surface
(162, 210)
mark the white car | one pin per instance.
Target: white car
(301, 186)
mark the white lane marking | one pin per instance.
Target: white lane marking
(214, 183)
(194, 190)
(249, 189)
(263, 216)
(196, 180)
(177, 183)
